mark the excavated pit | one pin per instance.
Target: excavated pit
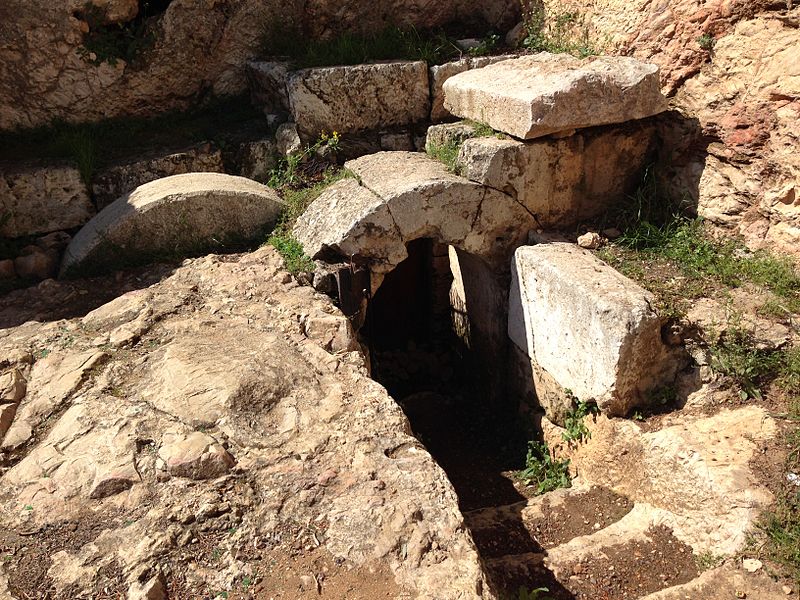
(433, 332)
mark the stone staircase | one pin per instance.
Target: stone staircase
(630, 528)
(567, 541)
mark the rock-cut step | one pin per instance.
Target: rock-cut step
(583, 542)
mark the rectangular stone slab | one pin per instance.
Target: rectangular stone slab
(357, 98)
(534, 96)
(592, 330)
(42, 198)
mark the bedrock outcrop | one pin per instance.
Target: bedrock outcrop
(217, 403)
(731, 70)
(44, 76)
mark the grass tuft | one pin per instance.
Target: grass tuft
(446, 153)
(407, 43)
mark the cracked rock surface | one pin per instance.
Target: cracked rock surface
(216, 408)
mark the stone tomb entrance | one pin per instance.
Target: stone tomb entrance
(432, 355)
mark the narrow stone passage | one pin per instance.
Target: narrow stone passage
(469, 428)
(472, 430)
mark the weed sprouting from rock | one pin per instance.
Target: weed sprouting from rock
(542, 471)
(575, 429)
(300, 179)
(446, 153)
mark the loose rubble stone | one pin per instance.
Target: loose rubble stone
(590, 240)
(178, 214)
(56, 241)
(152, 589)
(751, 565)
(357, 98)
(35, 263)
(257, 159)
(196, 456)
(114, 482)
(397, 142)
(109, 184)
(565, 181)
(538, 95)
(592, 330)
(288, 140)
(41, 199)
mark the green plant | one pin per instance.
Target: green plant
(543, 471)
(708, 560)
(574, 427)
(524, 593)
(446, 153)
(294, 257)
(665, 395)
(480, 129)
(296, 170)
(563, 32)
(781, 525)
(782, 529)
(737, 356)
(486, 45)
(706, 42)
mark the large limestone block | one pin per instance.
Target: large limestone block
(441, 73)
(592, 330)
(358, 98)
(348, 220)
(562, 181)
(534, 96)
(41, 199)
(173, 216)
(426, 200)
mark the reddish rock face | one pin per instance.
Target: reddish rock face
(731, 69)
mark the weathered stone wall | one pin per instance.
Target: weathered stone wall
(731, 69)
(200, 48)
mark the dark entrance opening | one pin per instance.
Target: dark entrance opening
(436, 329)
(441, 383)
